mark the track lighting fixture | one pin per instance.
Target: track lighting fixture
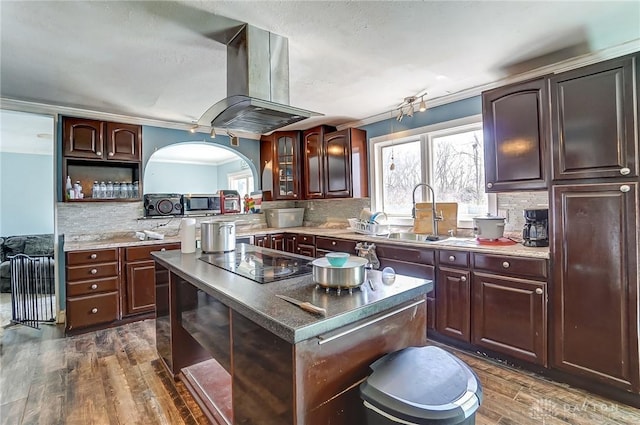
(408, 103)
(423, 106)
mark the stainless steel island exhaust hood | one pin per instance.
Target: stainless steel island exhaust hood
(257, 85)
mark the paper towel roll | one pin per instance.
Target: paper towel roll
(188, 235)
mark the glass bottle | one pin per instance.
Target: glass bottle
(136, 190)
(109, 189)
(103, 190)
(124, 190)
(95, 190)
(130, 190)
(116, 190)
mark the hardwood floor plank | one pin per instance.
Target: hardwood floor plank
(11, 413)
(114, 377)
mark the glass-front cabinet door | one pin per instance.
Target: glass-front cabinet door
(286, 165)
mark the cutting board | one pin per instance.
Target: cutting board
(423, 221)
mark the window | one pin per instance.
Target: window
(242, 181)
(448, 156)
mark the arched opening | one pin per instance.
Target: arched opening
(198, 167)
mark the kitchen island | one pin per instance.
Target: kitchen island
(249, 357)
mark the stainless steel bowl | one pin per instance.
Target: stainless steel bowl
(351, 275)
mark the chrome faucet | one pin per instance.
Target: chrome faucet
(434, 215)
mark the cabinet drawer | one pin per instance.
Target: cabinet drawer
(306, 239)
(137, 253)
(91, 310)
(412, 255)
(454, 258)
(336, 245)
(500, 264)
(92, 256)
(93, 286)
(91, 272)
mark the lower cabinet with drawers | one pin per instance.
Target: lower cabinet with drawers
(105, 286)
(495, 302)
(93, 288)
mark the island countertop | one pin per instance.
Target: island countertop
(258, 302)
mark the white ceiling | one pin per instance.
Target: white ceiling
(26, 133)
(348, 60)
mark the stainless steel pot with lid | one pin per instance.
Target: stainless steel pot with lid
(218, 236)
(488, 227)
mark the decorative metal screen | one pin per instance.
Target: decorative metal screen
(32, 289)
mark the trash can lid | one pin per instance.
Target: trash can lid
(423, 383)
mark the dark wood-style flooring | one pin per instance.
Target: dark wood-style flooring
(114, 376)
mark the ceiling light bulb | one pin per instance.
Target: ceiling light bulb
(193, 129)
(423, 106)
(213, 133)
(410, 111)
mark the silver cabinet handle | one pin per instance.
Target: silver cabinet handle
(93, 256)
(334, 243)
(489, 185)
(452, 258)
(539, 291)
(298, 249)
(94, 271)
(163, 249)
(94, 310)
(94, 286)
(110, 153)
(463, 278)
(99, 153)
(325, 339)
(625, 188)
(294, 238)
(506, 264)
(624, 171)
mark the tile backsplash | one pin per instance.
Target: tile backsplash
(512, 206)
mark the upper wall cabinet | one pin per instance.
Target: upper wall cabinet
(314, 161)
(593, 121)
(280, 165)
(515, 122)
(100, 140)
(345, 164)
(101, 151)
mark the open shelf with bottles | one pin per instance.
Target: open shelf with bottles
(87, 172)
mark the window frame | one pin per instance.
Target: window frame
(425, 136)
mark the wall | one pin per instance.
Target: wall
(512, 206)
(231, 167)
(172, 177)
(26, 194)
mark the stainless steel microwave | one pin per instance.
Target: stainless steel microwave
(201, 204)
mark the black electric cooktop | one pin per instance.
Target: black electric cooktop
(261, 267)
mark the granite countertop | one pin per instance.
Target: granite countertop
(454, 243)
(259, 303)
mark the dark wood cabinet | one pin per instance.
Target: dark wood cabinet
(510, 316)
(594, 121)
(123, 142)
(290, 243)
(100, 151)
(93, 286)
(346, 171)
(414, 262)
(82, 138)
(516, 131)
(276, 241)
(281, 166)
(314, 156)
(263, 241)
(453, 303)
(140, 278)
(595, 293)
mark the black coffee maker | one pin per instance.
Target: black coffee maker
(536, 227)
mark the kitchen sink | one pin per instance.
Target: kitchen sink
(416, 237)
